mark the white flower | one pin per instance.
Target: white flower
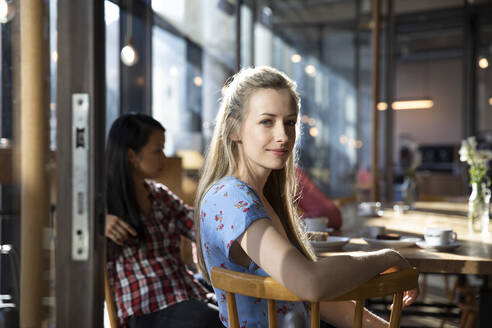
(466, 150)
(469, 153)
(463, 152)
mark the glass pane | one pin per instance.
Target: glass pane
(193, 54)
(112, 18)
(484, 78)
(321, 59)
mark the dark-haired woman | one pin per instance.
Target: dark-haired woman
(150, 284)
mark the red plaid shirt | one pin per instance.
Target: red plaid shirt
(148, 274)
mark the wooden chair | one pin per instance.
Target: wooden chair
(110, 307)
(233, 282)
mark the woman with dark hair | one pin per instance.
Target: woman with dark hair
(150, 284)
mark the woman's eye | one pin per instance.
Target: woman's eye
(266, 122)
(291, 123)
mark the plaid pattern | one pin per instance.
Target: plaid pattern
(148, 274)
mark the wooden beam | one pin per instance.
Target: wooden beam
(238, 35)
(375, 192)
(390, 92)
(34, 159)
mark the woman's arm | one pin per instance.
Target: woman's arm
(313, 281)
(179, 211)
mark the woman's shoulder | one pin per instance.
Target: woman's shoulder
(159, 190)
(232, 186)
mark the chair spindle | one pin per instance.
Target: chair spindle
(232, 310)
(396, 310)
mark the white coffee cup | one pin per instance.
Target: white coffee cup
(435, 236)
(369, 208)
(316, 224)
(373, 231)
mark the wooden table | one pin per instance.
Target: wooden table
(474, 256)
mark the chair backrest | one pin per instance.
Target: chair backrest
(233, 282)
(110, 307)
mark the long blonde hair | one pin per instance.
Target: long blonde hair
(220, 160)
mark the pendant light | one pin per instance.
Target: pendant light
(7, 11)
(423, 102)
(128, 54)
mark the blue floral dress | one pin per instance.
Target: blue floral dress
(226, 211)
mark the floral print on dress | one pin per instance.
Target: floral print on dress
(242, 205)
(285, 308)
(226, 211)
(218, 188)
(218, 218)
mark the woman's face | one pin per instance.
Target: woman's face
(268, 131)
(148, 163)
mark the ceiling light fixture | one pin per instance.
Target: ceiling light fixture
(407, 104)
(483, 63)
(310, 70)
(295, 58)
(382, 106)
(129, 55)
(198, 81)
(412, 104)
(7, 11)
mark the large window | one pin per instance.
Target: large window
(321, 59)
(193, 54)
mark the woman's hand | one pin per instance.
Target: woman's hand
(409, 296)
(118, 230)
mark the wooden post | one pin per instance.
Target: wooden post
(375, 97)
(81, 76)
(34, 159)
(390, 95)
(238, 35)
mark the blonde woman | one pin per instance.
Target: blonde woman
(247, 218)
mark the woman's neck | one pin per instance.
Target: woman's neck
(141, 195)
(255, 179)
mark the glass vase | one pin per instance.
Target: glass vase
(479, 208)
(410, 191)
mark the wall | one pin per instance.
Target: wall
(442, 81)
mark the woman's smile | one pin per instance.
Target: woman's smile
(281, 152)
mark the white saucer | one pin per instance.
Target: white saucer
(325, 230)
(370, 214)
(333, 243)
(440, 248)
(404, 241)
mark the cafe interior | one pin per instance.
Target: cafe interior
(394, 128)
